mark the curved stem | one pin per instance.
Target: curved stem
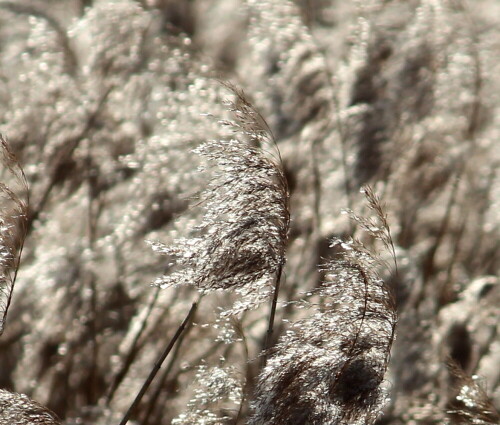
(158, 364)
(272, 314)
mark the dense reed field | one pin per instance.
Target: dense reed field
(304, 193)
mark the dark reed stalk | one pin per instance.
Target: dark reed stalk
(131, 354)
(158, 364)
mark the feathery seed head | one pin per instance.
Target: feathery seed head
(13, 225)
(242, 238)
(328, 368)
(20, 410)
(471, 404)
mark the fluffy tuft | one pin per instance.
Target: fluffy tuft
(13, 225)
(328, 368)
(241, 241)
(18, 409)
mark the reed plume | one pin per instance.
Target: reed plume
(470, 404)
(241, 241)
(18, 409)
(328, 368)
(13, 225)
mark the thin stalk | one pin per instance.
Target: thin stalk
(476, 252)
(158, 364)
(163, 378)
(248, 380)
(446, 288)
(272, 314)
(348, 187)
(430, 265)
(92, 223)
(316, 187)
(132, 352)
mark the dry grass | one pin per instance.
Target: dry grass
(116, 112)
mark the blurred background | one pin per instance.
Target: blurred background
(103, 103)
